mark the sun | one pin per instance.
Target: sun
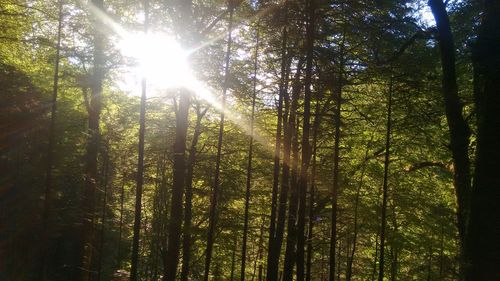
(159, 58)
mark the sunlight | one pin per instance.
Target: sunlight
(159, 59)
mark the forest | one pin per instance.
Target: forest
(258, 140)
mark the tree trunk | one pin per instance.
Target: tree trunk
(50, 153)
(335, 187)
(179, 176)
(483, 231)
(274, 227)
(188, 204)
(383, 217)
(291, 239)
(215, 190)
(120, 229)
(459, 130)
(316, 125)
(356, 207)
(103, 214)
(138, 189)
(94, 111)
(249, 164)
(306, 150)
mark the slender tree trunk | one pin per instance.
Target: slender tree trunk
(375, 258)
(275, 244)
(140, 169)
(94, 110)
(138, 189)
(50, 152)
(249, 164)
(103, 216)
(291, 239)
(317, 123)
(215, 190)
(188, 204)
(273, 248)
(120, 229)
(335, 187)
(483, 231)
(306, 150)
(179, 176)
(356, 208)
(383, 217)
(459, 130)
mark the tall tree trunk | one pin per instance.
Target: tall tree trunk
(188, 204)
(179, 176)
(383, 216)
(306, 150)
(291, 239)
(50, 152)
(94, 111)
(215, 190)
(459, 130)
(250, 155)
(316, 125)
(277, 227)
(356, 208)
(273, 248)
(103, 213)
(120, 229)
(337, 92)
(138, 188)
(375, 258)
(140, 168)
(483, 231)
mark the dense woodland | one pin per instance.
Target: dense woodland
(250, 140)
